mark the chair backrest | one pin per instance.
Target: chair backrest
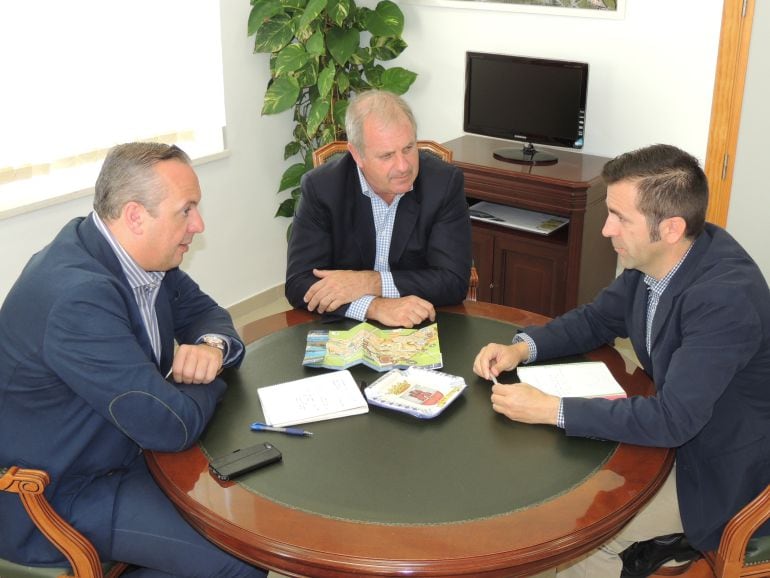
(84, 561)
(739, 554)
(337, 148)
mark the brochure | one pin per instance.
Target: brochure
(423, 393)
(326, 396)
(379, 349)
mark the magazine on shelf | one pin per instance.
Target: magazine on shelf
(582, 379)
(423, 393)
(379, 349)
(505, 216)
(317, 398)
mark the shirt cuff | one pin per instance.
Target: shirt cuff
(560, 414)
(519, 337)
(358, 308)
(389, 288)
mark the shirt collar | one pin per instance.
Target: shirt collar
(659, 285)
(137, 277)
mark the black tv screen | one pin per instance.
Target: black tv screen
(533, 100)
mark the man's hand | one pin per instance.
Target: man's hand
(336, 288)
(522, 402)
(196, 363)
(402, 312)
(495, 358)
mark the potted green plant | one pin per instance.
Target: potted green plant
(316, 61)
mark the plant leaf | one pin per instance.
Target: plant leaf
(397, 79)
(326, 80)
(281, 95)
(291, 149)
(292, 176)
(286, 209)
(315, 44)
(386, 47)
(262, 11)
(311, 12)
(340, 108)
(338, 11)
(342, 44)
(318, 111)
(274, 34)
(386, 20)
(291, 58)
(343, 82)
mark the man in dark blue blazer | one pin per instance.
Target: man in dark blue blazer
(86, 337)
(697, 311)
(382, 233)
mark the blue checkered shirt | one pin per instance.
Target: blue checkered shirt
(384, 217)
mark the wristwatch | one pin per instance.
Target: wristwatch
(214, 341)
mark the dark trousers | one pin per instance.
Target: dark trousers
(150, 533)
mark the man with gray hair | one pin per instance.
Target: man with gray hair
(87, 338)
(382, 233)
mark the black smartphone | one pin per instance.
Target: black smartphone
(244, 460)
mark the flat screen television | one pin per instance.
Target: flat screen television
(532, 100)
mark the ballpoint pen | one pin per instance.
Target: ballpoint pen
(292, 431)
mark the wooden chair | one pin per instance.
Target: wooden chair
(337, 148)
(739, 555)
(84, 561)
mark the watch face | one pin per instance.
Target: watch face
(214, 342)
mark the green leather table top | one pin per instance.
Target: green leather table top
(387, 467)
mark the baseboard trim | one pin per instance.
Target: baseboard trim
(263, 299)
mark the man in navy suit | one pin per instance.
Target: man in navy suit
(87, 335)
(697, 311)
(382, 233)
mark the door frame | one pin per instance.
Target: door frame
(729, 81)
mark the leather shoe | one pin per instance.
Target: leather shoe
(643, 558)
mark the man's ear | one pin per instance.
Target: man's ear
(356, 155)
(133, 216)
(672, 230)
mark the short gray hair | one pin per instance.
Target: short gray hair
(127, 175)
(381, 104)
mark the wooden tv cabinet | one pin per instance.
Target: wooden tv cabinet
(547, 274)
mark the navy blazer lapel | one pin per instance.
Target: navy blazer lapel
(362, 225)
(406, 221)
(680, 280)
(163, 311)
(100, 249)
(638, 329)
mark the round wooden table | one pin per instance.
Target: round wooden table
(468, 493)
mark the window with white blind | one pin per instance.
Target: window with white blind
(80, 76)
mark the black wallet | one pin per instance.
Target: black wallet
(244, 460)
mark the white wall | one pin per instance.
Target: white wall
(750, 195)
(651, 74)
(651, 80)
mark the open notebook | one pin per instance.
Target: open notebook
(321, 397)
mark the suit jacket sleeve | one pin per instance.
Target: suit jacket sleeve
(713, 334)
(92, 343)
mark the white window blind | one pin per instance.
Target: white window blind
(83, 75)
